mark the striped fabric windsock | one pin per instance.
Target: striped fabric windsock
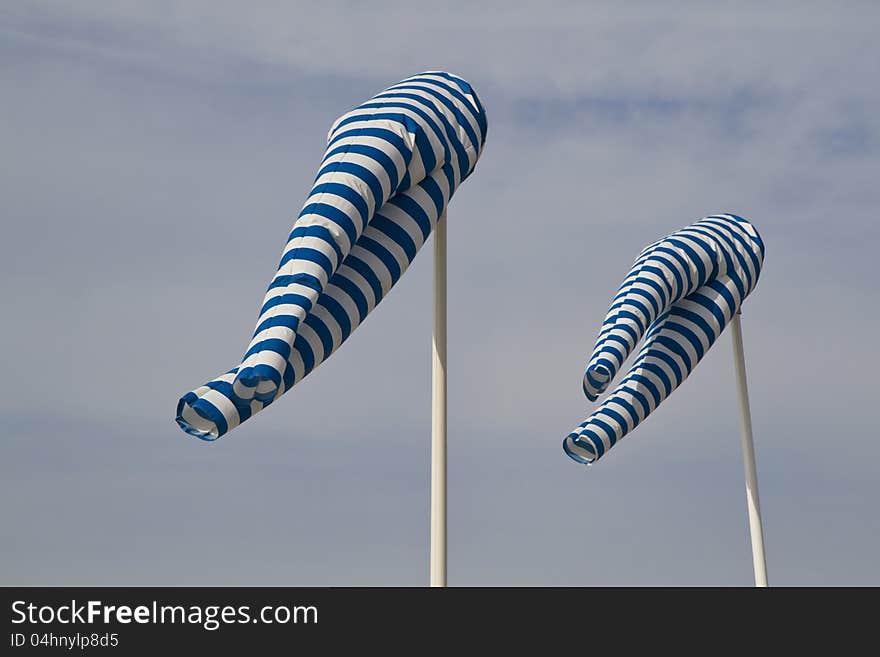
(680, 294)
(389, 171)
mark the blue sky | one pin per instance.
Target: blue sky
(154, 154)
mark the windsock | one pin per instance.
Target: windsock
(679, 295)
(389, 171)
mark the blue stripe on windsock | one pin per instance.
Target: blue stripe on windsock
(390, 169)
(679, 295)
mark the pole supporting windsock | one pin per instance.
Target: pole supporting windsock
(438, 411)
(754, 503)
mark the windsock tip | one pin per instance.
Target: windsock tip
(578, 450)
(194, 422)
(596, 379)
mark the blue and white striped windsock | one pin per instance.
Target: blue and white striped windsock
(680, 294)
(389, 171)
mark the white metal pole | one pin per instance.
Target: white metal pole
(438, 411)
(755, 526)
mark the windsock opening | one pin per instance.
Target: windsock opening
(596, 379)
(578, 450)
(194, 418)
